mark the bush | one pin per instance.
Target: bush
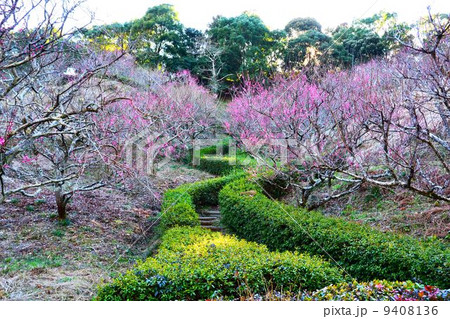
(211, 162)
(181, 214)
(217, 165)
(378, 290)
(178, 206)
(363, 252)
(197, 264)
(208, 150)
(220, 164)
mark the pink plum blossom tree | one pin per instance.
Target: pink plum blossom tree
(384, 123)
(165, 120)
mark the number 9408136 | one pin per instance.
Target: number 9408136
(411, 310)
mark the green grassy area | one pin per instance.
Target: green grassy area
(9, 264)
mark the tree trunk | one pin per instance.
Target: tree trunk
(445, 116)
(61, 203)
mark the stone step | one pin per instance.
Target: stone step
(208, 222)
(211, 212)
(212, 215)
(213, 228)
(207, 218)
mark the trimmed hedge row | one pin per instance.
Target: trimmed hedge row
(178, 205)
(208, 150)
(209, 161)
(364, 252)
(197, 264)
(218, 165)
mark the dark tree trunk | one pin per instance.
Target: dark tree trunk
(61, 203)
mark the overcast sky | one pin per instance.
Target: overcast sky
(275, 13)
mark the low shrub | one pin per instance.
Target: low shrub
(178, 205)
(381, 290)
(363, 252)
(177, 209)
(197, 264)
(181, 214)
(220, 164)
(209, 150)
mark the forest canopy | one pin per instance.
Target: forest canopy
(243, 46)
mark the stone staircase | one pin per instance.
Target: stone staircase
(210, 219)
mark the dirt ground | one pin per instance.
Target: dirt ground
(398, 210)
(108, 230)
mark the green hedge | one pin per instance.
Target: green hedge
(364, 252)
(178, 205)
(220, 165)
(197, 264)
(217, 165)
(208, 150)
(177, 209)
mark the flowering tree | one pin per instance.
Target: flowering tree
(50, 84)
(164, 121)
(287, 115)
(384, 123)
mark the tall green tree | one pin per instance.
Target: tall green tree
(367, 38)
(391, 30)
(109, 36)
(305, 43)
(157, 40)
(356, 44)
(247, 46)
(157, 37)
(302, 24)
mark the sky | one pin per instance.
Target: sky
(275, 13)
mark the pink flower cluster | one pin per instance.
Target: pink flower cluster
(376, 115)
(27, 160)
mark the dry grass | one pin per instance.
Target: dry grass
(109, 229)
(399, 211)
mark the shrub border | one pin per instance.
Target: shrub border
(364, 252)
(197, 264)
(179, 204)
